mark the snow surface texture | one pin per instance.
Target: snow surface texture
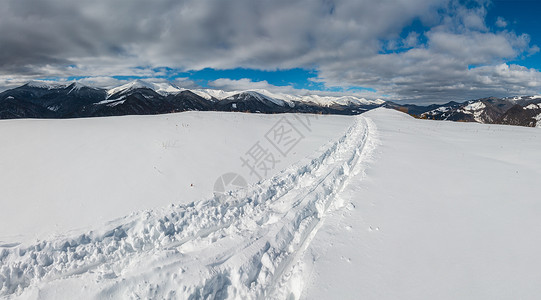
(446, 211)
(245, 244)
(63, 175)
(390, 207)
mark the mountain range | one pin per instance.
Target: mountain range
(40, 99)
(49, 100)
(521, 111)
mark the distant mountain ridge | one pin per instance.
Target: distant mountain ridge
(39, 99)
(520, 111)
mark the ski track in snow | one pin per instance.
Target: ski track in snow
(245, 244)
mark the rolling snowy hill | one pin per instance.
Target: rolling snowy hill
(376, 206)
(446, 210)
(60, 175)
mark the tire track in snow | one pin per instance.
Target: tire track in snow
(244, 244)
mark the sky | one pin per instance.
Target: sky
(415, 51)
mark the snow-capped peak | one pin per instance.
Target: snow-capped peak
(209, 94)
(136, 84)
(165, 88)
(45, 84)
(281, 98)
(517, 98)
(263, 98)
(75, 86)
(341, 100)
(162, 88)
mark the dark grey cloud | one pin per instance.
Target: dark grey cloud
(345, 40)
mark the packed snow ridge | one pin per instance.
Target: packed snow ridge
(244, 244)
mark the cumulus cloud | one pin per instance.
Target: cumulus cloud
(248, 84)
(342, 39)
(460, 60)
(501, 22)
(102, 81)
(184, 82)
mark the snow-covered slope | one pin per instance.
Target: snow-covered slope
(538, 119)
(343, 100)
(210, 94)
(162, 88)
(59, 175)
(46, 84)
(377, 206)
(76, 86)
(239, 245)
(259, 97)
(445, 211)
(475, 109)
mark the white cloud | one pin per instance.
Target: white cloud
(533, 50)
(501, 22)
(7, 82)
(412, 40)
(102, 81)
(342, 39)
(460, 60)
(186, 83)
(247, 84)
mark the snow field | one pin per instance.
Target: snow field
(57, 176)
(416, 209)
(245, 244)
(446, 210)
